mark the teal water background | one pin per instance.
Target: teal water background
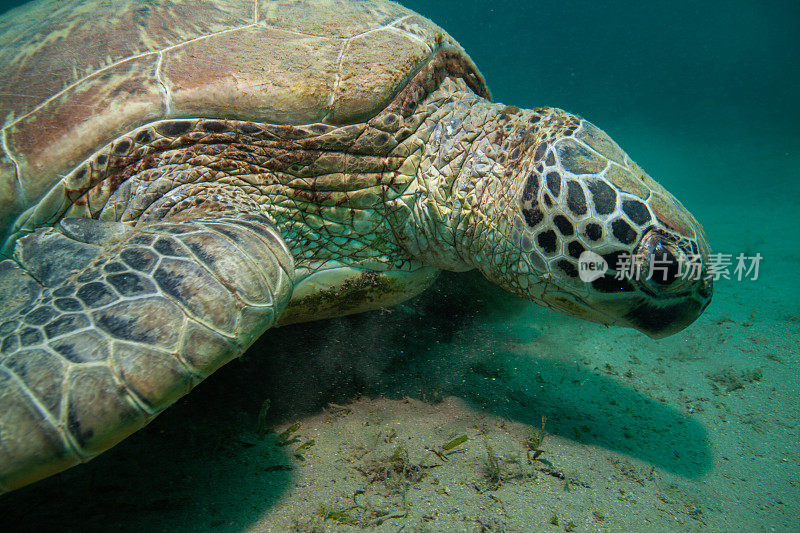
(724, 76)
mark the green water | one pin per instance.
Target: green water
(704, 96)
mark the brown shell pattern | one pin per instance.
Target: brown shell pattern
(79, 73)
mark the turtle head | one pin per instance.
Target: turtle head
(589, 233)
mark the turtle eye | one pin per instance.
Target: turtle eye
(665, 268)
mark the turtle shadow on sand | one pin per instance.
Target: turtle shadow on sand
(456, 339)
(467, 344)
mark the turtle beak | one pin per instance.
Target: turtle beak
(659, 321)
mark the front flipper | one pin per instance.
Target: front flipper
(103, 326)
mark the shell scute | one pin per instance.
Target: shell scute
(279, 62)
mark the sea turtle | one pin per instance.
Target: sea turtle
(177, 177)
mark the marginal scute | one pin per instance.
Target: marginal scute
(99, 414)
(21, 454)
(204, 350)
(221, 257)
(159, 381)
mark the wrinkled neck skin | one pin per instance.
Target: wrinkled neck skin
(467, 180)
